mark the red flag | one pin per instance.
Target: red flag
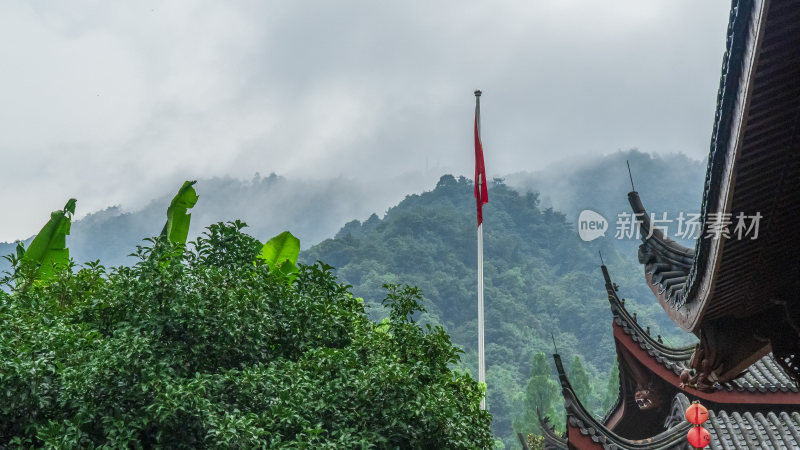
(481, 192)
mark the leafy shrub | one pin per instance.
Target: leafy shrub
(203, 346)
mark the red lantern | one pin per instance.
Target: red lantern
(696, 413)
(698, 437)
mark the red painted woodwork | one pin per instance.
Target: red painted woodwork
(768, 398)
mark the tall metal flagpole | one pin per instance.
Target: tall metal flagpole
(481, 358)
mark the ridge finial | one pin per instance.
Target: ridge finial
(630, 175)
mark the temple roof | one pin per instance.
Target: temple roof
(764, 376)
(729, 428)
(751, 181)
(737, 294)
(584, 431)
(756, 429)
(757, 409)
(552, 440)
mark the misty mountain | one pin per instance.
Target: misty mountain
(668, 184)
(312, 209)
(316, 209)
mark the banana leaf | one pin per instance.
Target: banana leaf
(280, 253)
(49, 247)
(177, 227)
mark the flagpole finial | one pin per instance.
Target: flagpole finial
(478, 93)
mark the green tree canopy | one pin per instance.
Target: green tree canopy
(579, 380)
(203, 346)
(542, 393)
(612, 388)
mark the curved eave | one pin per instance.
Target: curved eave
(584, 431)
(761, 384)
(764, 382)
(666, 266)
(684, 295)
(759, 176)
(623, 318)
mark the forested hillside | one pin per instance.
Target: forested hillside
(541, 281)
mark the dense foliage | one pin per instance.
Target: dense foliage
(206, 347)
(541, 281)
(612, 388)
(579, 380)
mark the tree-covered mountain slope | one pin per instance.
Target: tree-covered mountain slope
(541, 282)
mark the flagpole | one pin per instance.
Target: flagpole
(481, 358)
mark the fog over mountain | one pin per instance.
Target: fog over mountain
(316, 209)
(575, 184)
(671, 184)
(312, 209)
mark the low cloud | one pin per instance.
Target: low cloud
(112, 102)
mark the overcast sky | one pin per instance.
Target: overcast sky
(117, 102)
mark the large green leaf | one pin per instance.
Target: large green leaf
(177, 227)
(49, 247)
(281, 252)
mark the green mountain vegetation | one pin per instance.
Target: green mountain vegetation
(542, 283)
(206, 347)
